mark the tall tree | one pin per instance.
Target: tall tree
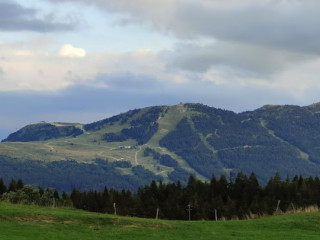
(12, 185)
(3, 187)
(19, 184)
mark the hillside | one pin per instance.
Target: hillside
(32, 222)
(166, 143)
(42, 132)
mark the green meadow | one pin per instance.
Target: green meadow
(33, 222)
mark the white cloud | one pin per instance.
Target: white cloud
(263, 44)
(68, 50)
(42, 70)
(253, 37)
(285, 24)
(23, 53)
(148, 71)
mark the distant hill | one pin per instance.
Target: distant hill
(169, 143)
(42, 132)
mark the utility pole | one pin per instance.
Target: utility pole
(278, 206)
(115, 209)
(189, 210)
(215, 214)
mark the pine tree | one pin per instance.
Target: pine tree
(253, 194)
(56, 194)
(3, 187)
(12, 186)
(19, 184)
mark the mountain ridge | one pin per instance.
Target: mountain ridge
(202, 140)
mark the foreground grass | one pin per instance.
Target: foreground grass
(32, 222)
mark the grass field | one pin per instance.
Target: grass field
(32, 222)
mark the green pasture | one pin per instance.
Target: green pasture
(33, 222)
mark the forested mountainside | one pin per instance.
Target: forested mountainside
(42, 132)
(170, 143)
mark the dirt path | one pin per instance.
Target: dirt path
(136, 156)
(117, 159)
(48, 145)
(164, 171)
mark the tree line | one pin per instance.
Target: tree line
(18, 192)
(221, 198)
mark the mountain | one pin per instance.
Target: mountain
(165, 143)
(43, 131)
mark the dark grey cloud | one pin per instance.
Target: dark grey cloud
(257, 37)
(242, 58)
(278, 24)
(14, 17)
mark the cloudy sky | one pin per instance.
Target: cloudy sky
(84, 60)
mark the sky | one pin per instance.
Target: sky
(85, 60)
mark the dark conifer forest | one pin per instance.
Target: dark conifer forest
(223, 198)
